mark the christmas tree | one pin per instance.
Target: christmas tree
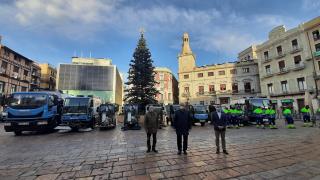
(141, 81)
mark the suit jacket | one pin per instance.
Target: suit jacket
(219, 122)
(151, 122)
(182, 122)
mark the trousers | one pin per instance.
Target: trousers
(185, 142)
(154, 140)
(221, 134)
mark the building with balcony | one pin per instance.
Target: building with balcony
(286, 67)
(91, 76)
(217, 83)
(35, 77)
(16, 72)
(167, 86)
(48, 77)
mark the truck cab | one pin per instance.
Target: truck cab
(79, 112)
(200, 114)
(32, 111)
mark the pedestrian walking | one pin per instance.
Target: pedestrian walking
(151, 124)
(219, 121)
(288, 115)
(306, 116)
(182, 124)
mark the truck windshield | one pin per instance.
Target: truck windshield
(260, 103)
(27, 101)
(76, 105)
(200, 109)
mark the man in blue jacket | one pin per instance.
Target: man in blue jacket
(182, 124)
(219, 121)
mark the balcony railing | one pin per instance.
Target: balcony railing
(283, 71)
(281, 55)
(298, 66)
(295, 49)
(266, 59)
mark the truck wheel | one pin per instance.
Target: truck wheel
(18, 133)
(202, 123)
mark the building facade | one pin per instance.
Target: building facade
(286, 67)
(89, 76)
(16, 72)
(312, 31)
(48, 77)
(218, 83)
(35, 77)
(167, 86)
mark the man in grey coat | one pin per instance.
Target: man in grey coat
(151, 125)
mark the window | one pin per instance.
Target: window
(235, 87)
(284, 86)
(186, 89)
(210, 74)
(266, 55)
(211, 88)
(2, 85)
(4, 65)
(200, 75)
(201, 102)
(247, 87)
(161, 76)
(25, 73)
(249, 57)
(186, 76)
(15, 57)
(270, 88)
(301, 84)
(245, 70)
(23, 89)
(222, 72)
(294, 44)
(279, 50)
(317, 46)
(316, 35)
(297, 60)
(268, 69)
(224, 100)
(282, 66)
(223, 87)
(201, 89)
(6, 53)
(233, 71)
(16, 69)
(13, 88)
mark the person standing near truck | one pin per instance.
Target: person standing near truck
(271, 114)
(182, 124)
(306, 116)
(151, 124)
(258, 112)
(288, 115)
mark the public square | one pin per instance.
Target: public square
(115, 154)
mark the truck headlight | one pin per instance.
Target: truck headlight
(42, 123)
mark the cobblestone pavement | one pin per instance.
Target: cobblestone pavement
(254, 154)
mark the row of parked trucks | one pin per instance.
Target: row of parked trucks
(44, 111)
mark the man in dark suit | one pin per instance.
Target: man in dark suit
(219, 121)
(182, 124)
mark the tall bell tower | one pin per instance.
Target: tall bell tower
(187, 60)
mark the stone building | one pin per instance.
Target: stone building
(218, 83)
(286, 67)
(48, 77)
(167, 86)
(35, 77)
(17, 72)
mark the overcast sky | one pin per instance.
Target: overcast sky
(55, 30)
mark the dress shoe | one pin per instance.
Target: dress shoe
(179, 152)
(225, 152)
(148, 150)
(185, 152)
(154, 150)
(217, 152)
